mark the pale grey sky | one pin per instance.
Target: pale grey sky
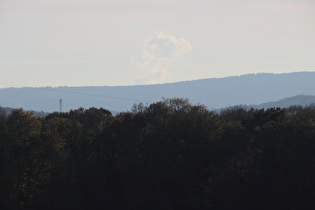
(107, 42)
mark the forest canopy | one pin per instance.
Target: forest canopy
(166, 155)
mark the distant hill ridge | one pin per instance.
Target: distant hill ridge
(302, 100)
(214, 93)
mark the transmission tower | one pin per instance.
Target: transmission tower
(60, 105)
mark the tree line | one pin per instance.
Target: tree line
(166, 155)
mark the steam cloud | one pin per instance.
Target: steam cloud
(159, 52)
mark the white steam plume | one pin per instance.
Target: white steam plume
(159, 52)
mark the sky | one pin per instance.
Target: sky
(134, 42)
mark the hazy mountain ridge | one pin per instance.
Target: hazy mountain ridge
(214, 93)
(301, 100)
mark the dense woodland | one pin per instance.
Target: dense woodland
(167, 155)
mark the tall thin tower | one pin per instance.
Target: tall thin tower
(60, 105)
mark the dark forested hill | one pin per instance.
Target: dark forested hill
(214, 93)
(7, 111)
